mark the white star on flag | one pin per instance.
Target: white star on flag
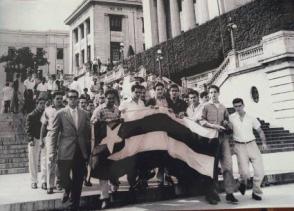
(111, 138)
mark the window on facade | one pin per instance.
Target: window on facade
(88, 26)
(82, 31)
(115, 22)
(59, 54)
(39, 50)
(114, 51)
(88, 53)
(76, 35)
(143, 28)
(254, 94)
(83, 56)
(77, 60)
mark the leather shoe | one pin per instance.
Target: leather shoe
(211, 200)
(105, 204)
(87, 183)
(34, 186)
(58, 187)
(242, 188)
(44, 186)
(49, 190)
(231, 199)
(256, 197)
(65, 197)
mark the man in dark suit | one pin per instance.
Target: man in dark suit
(73, 126)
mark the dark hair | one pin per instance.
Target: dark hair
(175, 86)
(72, 91)
(203, 94)
(142, 87)
(85, 89)
(110, 92)
(135, 86)
(90, 101)
(41, 98)
(214, 87)
(158, 84)
(238, 100)
(82, 97)
(75, 78)
(56, 93)
(193, 92)
(7, 83)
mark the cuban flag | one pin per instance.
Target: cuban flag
(151, 138)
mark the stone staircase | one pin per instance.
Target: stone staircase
(13, 146)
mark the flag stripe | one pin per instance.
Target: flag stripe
(176, 149)
(175, 130)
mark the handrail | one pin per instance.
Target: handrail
(250, 52)
(223, 65)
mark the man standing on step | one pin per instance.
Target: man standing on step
(246, 148)
(72, 124)
(51, 152)
(216, 116)
(35, 148)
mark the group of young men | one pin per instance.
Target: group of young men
(64, 138)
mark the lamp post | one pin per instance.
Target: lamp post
(121, 50)
(232, 27)
(159, 57)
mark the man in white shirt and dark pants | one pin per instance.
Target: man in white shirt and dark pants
(246, 148)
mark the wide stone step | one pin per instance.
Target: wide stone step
(14, 165)
(13, 146)
(13, 151)
(14, 171)
(278, 149)
(13, 143)
(13, 160)
(14, 155)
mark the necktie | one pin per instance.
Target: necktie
(75, 117)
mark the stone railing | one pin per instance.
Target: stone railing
(220, 70)
(250, 55)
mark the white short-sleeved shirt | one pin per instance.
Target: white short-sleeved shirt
(243, 130)
(42, 87)
(130, 108)
(29, 84)
(48, 116)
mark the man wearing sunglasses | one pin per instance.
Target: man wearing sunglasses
(72, 124)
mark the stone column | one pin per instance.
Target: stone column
(150, 23)
(189, 19)
(175, 18)
(203, 11)
(162, 36)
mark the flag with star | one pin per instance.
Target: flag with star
(150, 139)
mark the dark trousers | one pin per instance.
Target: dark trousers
(7, 106)
(73, 185)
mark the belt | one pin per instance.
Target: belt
(244, 142)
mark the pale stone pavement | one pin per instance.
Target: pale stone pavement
(274, 196)
(16, 188)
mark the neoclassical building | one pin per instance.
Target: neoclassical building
(55, 43)
(104, 29)
(164, 19)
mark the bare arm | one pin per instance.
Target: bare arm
(263, 138)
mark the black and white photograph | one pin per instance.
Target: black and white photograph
(147, 105)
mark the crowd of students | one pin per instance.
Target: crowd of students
(63, 119)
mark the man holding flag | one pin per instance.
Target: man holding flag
(107, 112)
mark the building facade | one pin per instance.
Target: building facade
(164, 19)
(54, 43)
(262, 75)
(108, 30)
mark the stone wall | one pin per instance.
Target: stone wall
(200, 49)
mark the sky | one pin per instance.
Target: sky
(40, 15)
